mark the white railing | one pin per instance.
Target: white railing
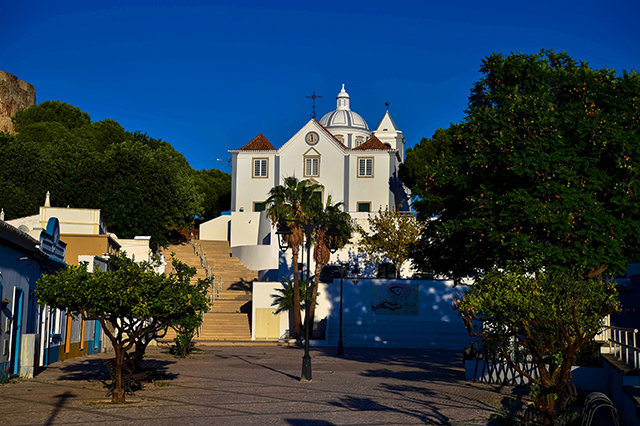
(622, 343)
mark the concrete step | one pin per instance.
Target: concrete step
(224, 322)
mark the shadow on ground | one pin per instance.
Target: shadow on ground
(94, 369)
(241, 285)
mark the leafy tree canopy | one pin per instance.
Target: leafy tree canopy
(51, 111)
(215, 185)
(543, 171)
(130, 300)
(142, 185)
(391, 235)
(551, 315)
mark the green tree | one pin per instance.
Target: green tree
(146, 191)
(293, 203)
(542, 172)
(551, 315)
(215, 186)
(130, 300)
(186, 328)
(142, 185)
(541, 175)
(283, 300)
(391, 235)
(69, 116)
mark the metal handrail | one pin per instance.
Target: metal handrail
(198, 251)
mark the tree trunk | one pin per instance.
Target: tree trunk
(546, 404)
(117, 395)
(314, 296)
(297, 317)
(138, 354)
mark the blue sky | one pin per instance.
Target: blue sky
(209, 76)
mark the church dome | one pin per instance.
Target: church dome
(342, 116)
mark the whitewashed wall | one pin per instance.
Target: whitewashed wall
(247, 189)
(331, 172)
(431, 323)
(373, 189)
(244, 228)
(215, 229)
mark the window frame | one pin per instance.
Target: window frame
(264, 205)
(372, 167)
(311, 157)
(363, 203)
(266, 168)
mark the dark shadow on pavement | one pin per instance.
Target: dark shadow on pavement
(367, 404)
(512, 410)
(94, 369)
(62, 398)
(291, 376)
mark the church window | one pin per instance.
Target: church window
(260, 167)
(364, 206)
(311, 166)
(359, 140)
(340, 138)
(365, 167)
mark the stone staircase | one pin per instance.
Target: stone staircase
(229, 317)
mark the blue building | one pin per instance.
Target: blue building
(26, 338)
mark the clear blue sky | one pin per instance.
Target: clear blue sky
(209, 76)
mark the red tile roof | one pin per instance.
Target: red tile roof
(373, 144)
(259, 143)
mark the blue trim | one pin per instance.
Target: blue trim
(17, 332)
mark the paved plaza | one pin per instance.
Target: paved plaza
(260, 385)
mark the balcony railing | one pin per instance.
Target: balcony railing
(621, 342)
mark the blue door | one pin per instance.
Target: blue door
(16, 331)
(96, 338)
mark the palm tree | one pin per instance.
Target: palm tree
(331, 216)
(293, 203)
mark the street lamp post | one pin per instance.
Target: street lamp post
(308, 228)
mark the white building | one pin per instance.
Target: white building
(353, 165)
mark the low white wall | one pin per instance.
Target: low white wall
(215, 229)
(397, 313)
(257, 258)
(262, 299)
(244, 228)
(384, 313)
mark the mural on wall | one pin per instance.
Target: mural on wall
(395, 299)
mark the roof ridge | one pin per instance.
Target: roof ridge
(259, 143)
(330, 134)
(373, 143)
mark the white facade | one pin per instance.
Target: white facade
(353, 165)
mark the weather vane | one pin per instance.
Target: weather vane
(387, 105)
(313, 98)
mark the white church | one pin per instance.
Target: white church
(358, 167)
(352, 164)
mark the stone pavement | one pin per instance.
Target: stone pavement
(259, 385)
